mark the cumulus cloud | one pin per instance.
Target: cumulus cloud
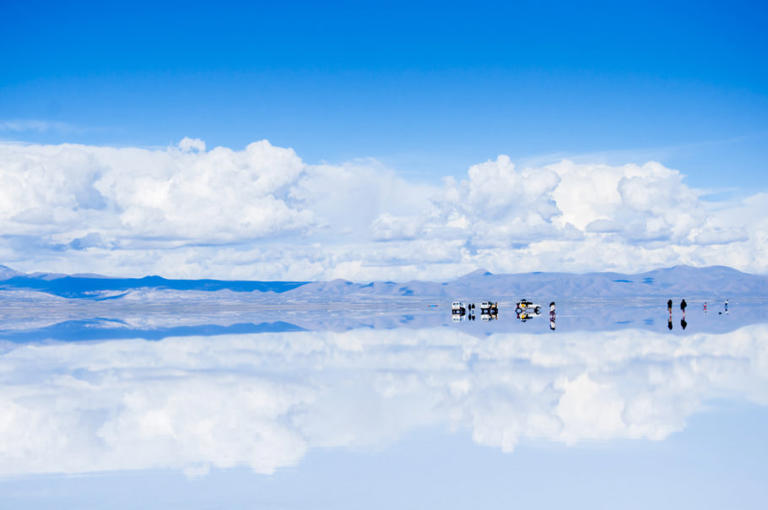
(262, 212)
(192, 144)
(264, 401)
(133, 194)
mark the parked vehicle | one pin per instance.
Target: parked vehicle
(489, 308)
(527, 306)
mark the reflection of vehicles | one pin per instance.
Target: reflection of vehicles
(527, 314)
(489, 308)
(458, 311)
(525, 306)
(525, 310)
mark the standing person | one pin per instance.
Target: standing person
(669, 307)
(669, 310)
(705, 307)
(726, 306)
(552, 316)
(683, 306)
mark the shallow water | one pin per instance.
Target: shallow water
(388, 404)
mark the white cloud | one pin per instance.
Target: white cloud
(264, 401)
(261, 212)
(192, 144)
(40, 126)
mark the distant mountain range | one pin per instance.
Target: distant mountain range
(678, 281)
(104, 287)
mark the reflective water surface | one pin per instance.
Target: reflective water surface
(398, 408)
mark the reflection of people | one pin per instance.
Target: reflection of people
(683, 323)
(552, 316)
(669, 309)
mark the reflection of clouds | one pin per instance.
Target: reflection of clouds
(264, 400)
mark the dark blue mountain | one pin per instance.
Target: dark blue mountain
(96, 287)
(111, 329)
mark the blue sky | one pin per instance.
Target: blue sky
(405, 140)
(428, 89)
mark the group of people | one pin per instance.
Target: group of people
(683, 306)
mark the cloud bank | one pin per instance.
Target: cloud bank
(263, 213)
(264, 401)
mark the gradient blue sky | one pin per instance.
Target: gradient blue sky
(427, 88)
(583, 137)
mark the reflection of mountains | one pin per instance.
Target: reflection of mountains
(264, 400)
(111, 329)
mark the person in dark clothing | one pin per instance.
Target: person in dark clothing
(669, 310)
(683, 306)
